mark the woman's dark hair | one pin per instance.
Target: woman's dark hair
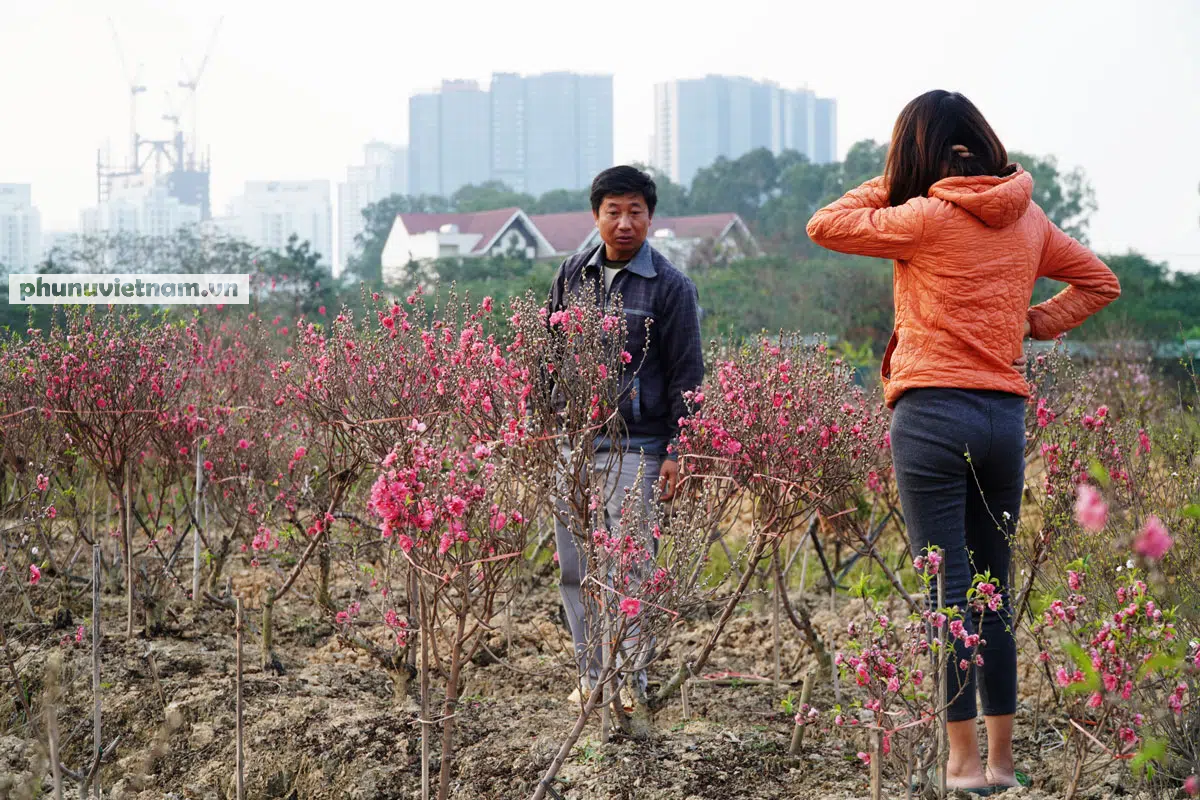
(938, 135)
(620, 181)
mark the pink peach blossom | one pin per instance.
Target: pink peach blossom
(1153, 542)
(1090, 509)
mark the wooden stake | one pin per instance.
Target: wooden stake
(241, 758)
(876, 764)
(53, 666)
(196, 534)
(426, 725)
(128, 534)
(683, 687)
(606, 712)
(804, 569)
(805, 694)
(99, 745)
(775, 635)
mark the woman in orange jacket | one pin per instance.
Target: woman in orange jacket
(967, 243)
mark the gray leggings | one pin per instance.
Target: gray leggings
(960, 468)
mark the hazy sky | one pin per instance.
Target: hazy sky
(294, 89)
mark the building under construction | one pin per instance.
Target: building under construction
(185, 173)
(176, 161)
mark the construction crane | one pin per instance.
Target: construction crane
(175, 162)
(172, 114)
(136, 87)
(193, 79)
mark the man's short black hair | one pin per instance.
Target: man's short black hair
(624, 180)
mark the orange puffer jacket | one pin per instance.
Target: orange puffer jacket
(965, 261)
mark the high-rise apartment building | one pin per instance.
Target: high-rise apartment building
(384, 172)
(825, 127)
(20, 229)
(269, 212)
(466, 117)
(140, 204)
(569, 130)
(509, 125)
(533, 133)
(449, 139)
(425, 144)
(698, 121)
(797, 123)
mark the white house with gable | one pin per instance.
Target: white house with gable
(427, 237)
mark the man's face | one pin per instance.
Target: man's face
(624, 221)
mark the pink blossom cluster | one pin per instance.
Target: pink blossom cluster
(264, 539)
(1118, 649)
(782, 411)
(887, 662)
(428, 493)
(398, 625)
(344, 618)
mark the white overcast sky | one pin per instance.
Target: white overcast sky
(294, 89)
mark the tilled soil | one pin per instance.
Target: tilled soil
(331, 727)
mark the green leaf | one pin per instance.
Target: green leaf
(1192, 511)
(1039, 602)
(1161, 662)
(1151, 752)
(1091, 682)
(1099, 473)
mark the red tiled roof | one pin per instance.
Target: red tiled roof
(484, 223)
(568, 230)
(704, 226)
(565, 231)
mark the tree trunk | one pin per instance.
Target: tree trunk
(451, 705)
(127, 540)
(323, 565)
(267, 657)
(664, 694)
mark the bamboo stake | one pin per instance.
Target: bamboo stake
(426, 726)
(241, 757)
(683, 688)
(99, 745)
(876, 764)
(128, 534)
(196, 535)
(51, 693)
(775, 634)
(606, 707)
(804, 570)
(805, 694)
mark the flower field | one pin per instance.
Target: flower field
(250, 557)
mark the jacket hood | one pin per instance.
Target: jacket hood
(996, 201)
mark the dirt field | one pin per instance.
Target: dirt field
(330, 728)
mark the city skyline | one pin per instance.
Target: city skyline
(700, 120)
(534, 133)
(295, 95)
(383, 172)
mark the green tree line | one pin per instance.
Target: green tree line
(796, 286)
(774, 194)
